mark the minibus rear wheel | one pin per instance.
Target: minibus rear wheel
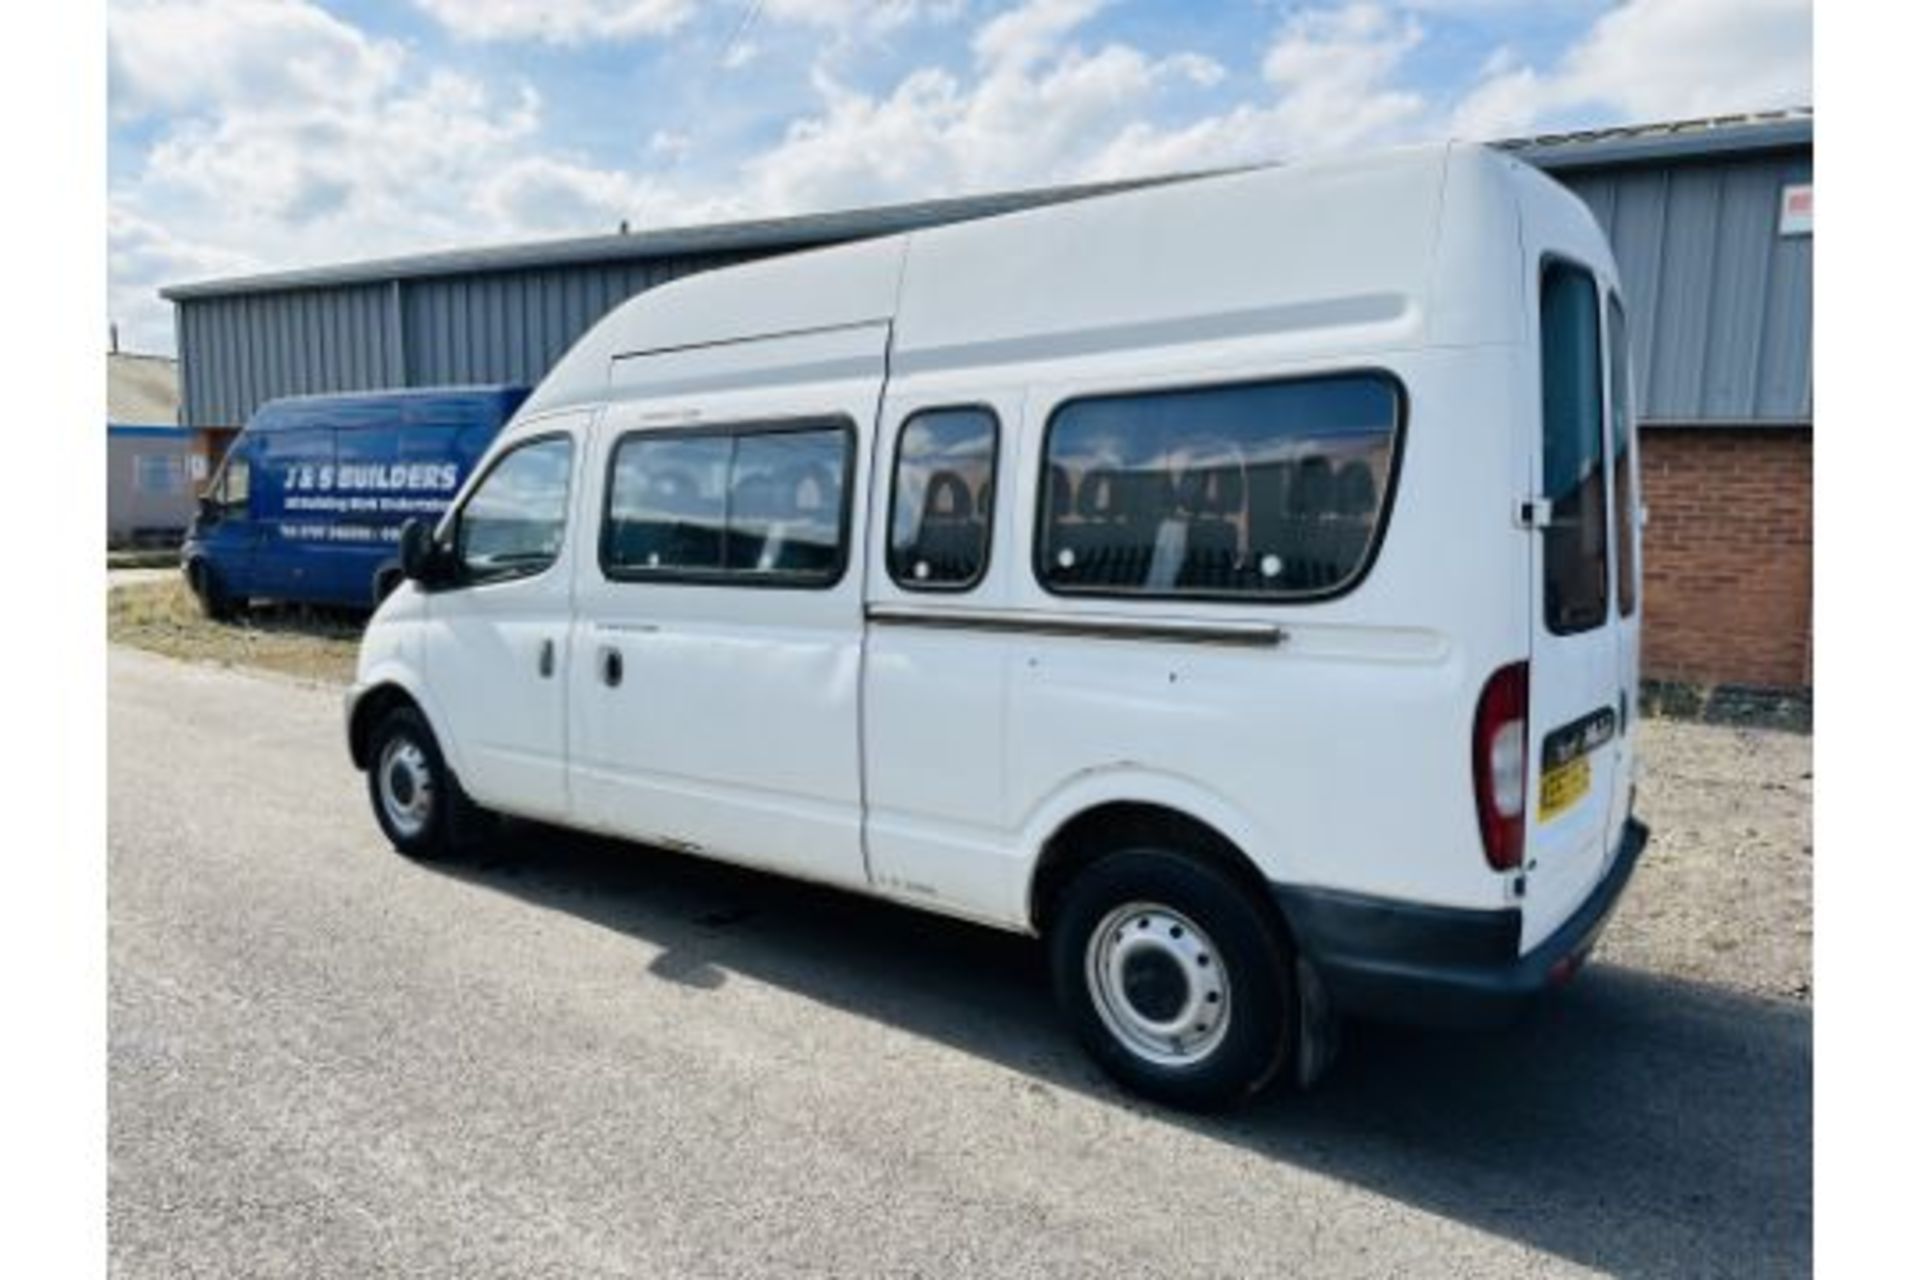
(416, 799)
(1177, 982)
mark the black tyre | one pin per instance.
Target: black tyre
(214, 602)
(416, 798)
(1178, 981)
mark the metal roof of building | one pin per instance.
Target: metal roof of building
(1555, 152)
(142, 391)
(1670, 140)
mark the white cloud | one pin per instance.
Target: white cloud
(370, 150)
(296, 138)
(541, 193)
(399, 151)
(669, 142)
(1043, 108)
(573, 22)
(178, 55)
(1657, 60)
(1025, 34)
(1038, 109)
(1197, 68)
(843, 15)
(559, 21)
(1333, 74)
(141, 252)
(1333, 69)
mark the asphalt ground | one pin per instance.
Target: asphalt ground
(565, 1057)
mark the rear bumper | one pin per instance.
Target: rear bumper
(1444, 966)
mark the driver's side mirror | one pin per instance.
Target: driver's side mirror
(421, 559)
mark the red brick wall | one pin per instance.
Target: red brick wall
(1729, 549)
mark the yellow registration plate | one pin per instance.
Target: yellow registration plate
(1562, 786)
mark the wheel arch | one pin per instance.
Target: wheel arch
(372, 706)
(1092, 829)
(385, 688)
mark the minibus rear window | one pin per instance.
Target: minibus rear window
(1274, 490)
(1572, 450)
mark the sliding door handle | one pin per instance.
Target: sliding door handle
(612, 667)
(546, 658)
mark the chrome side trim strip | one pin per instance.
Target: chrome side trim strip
(1256, 635)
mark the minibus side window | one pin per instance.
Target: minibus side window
(1572, 450)
(1270, 490)
(667, 505)
(785, 505)
(1625, 500)
(513, 522)
(764, 505)
(942, 523)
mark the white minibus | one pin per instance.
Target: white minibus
(1233, 583)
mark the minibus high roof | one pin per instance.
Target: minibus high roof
(1387, 250)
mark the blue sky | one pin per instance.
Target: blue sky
(261, 134)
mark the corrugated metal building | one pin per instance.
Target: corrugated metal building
(1722, 298)
(1717, 266)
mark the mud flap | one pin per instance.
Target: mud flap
(1319, 1032)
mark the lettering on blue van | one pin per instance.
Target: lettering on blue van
(374, 477)
(309, 502)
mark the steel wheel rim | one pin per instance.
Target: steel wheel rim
(406, 786)
(1158, 984)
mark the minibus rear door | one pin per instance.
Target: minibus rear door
(1574, 675)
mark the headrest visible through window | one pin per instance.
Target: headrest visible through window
(948, 498)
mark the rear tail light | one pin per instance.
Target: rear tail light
(1500, 767)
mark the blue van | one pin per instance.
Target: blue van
(309, 502)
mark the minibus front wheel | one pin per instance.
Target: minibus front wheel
(416, 799)
(1179, 985)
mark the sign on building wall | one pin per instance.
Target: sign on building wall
(1796, 209)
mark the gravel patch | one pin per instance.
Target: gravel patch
(1724, 894)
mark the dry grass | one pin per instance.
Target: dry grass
(164, 617)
